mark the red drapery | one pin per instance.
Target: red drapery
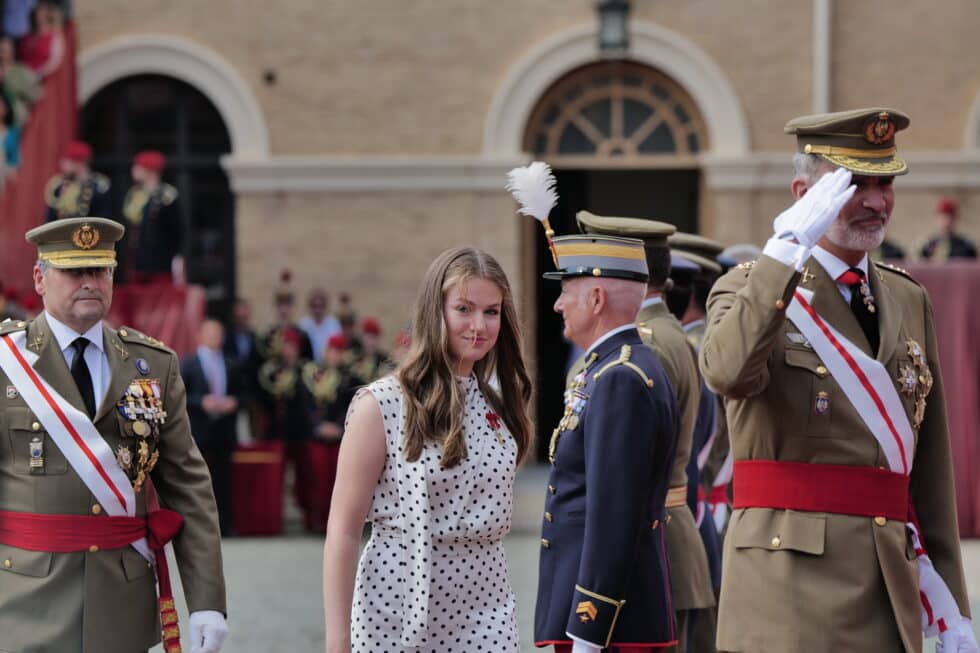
(953, 288)
(52, 124)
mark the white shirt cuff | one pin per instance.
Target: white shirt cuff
(582, 646)
(785, 251)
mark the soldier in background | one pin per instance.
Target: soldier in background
(285, 300)
(77, 192)
(150, 210)
(373, 363)
(947, 243)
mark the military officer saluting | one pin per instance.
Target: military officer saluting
(844, 534)
(97, 429)
(77, 191)
(603, 577)
(689, 573)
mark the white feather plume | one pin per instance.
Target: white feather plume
(533, 186)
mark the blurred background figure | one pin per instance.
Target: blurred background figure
(9, 137)
(43, 49)
(77, 192)
(242, 347)
(373, 363)
(947, 244)
(319, 324)
(213, 387)
(20, 84)
(284, 300)
(150, 209)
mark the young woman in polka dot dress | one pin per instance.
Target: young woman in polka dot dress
(428, 457)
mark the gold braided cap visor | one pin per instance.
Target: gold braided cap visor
(73, 258)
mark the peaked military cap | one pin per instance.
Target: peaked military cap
(861, 140)
(652, 232)
(77, 242)
(699, 250)
(599, 256)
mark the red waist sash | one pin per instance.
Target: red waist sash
(840, 489)
(75, 533)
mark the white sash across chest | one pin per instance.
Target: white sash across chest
(73, 432)
(865, 383)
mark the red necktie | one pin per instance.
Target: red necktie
(854, 279)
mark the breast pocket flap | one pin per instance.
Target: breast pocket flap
(777, 530)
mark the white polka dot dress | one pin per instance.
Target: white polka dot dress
(433, 576)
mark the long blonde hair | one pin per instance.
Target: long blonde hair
(426, 375)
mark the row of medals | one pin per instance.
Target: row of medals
(142, 406)
(915, 381)
(574, 405)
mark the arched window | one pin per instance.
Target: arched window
(615, 110)
(162, 113)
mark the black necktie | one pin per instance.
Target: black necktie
(82, 376)
(862, 305)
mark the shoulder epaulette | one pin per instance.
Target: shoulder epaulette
(624, 359)
(102, 183)
(168, 194)
(129, 334)
(894, 268)
(49, 191)
(12, 326)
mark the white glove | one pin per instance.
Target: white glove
(578, 646)
(811, 215)
(958, 639)
(208, 631)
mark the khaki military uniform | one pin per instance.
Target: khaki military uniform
(818, 582)
(101, 601)
(689, 575)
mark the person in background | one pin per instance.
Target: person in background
(43, 50)
(373, 362)
(284, 300)
(21, 84)
(77, 192)
(17, 17)
(9, 137)
(213, 383)
(151, 211)
(947, 243)
(319, 325)
(242, 347)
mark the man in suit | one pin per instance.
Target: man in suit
(98, 428)
(213, 383)
(844, 534)
(689, 573)
(151, 211)
(603, 577)
(77, 192)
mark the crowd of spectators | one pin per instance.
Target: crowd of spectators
(32, 46)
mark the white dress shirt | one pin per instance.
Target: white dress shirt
(836, 267)
(95, 356)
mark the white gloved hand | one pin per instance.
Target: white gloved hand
(578, 646)
(811, 215)
(958, 639)
(208, 631)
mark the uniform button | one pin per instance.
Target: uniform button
(656, 522)
(776, 541)
(881, 521)
(7, 564)
(21, 325)
(35, 426)
(780, 304)
(668, 518)
(96, 509)
(123, 332)
(548, 516)
(93, 549)
(821, 370)
(545, 543)
(551, 489)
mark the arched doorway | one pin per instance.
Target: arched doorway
(162, 113)
(623, 139)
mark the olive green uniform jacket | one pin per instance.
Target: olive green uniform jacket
(101, 602)
(816, 582)
(690, 578)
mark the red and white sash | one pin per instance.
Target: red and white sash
(73, 432)
(868, 386)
